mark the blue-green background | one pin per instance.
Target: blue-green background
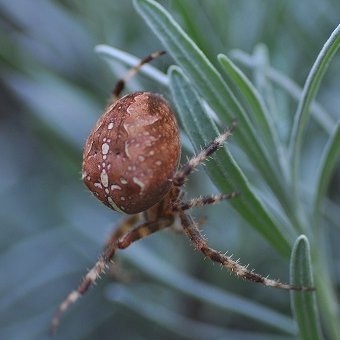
(52, 89)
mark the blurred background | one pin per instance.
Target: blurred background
(53, 88)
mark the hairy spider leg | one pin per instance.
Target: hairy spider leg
(193, 233)
(182, 174)
(109, 251)
(205, 200)
(142, 231)
(132, 72)
(123, 228)
(95, 272)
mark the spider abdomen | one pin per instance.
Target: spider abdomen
(132, 153)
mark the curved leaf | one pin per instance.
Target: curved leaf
(110, 53)
(222, 169)
(259, 112)
(323, 118)
(308, 94)
(210, 85)
(329, 157)
(304, 304)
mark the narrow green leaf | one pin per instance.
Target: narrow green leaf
(110, 53)
(211, 86)
(222, 169)
(308, 94)
(321, 116)
(259, 113)
(304, 304)
(261, 81)
(329, 158)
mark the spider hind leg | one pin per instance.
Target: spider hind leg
(123, 237)
(142, 231)
(193, 233)
(95, 272)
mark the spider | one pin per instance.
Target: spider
(130, 163)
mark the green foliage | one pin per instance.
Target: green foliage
(222, 169)
(330, 155)
(304, 303)
(54, 89)
(308, 94)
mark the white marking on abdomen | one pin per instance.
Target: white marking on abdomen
(126, 147)
(139, 183)
(104, 178)
(113, 204)
(105, 148)
(98, 185)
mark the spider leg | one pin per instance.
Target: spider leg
(125, 226)
(134, 70)
(194, 162)
(201, 244)
(95, 272)
(142, 231)
(202, 201)
(115, 272)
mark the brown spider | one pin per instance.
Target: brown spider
(131, 164)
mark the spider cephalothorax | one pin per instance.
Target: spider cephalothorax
(130, 163)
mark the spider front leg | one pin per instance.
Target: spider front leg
(181, 175)
(191, 230)
(133, 71)
(94, 272)
(202, 201)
